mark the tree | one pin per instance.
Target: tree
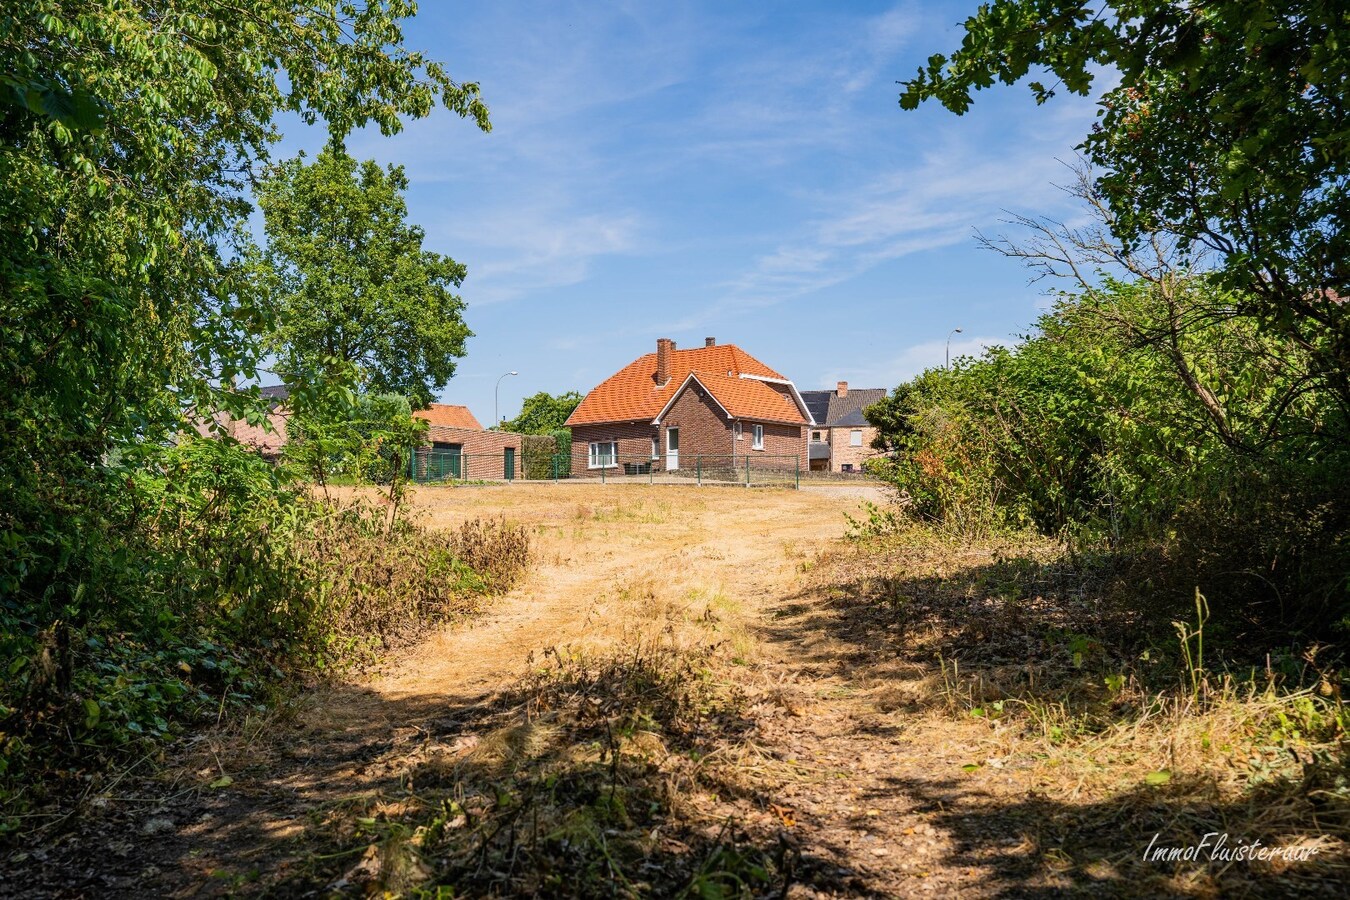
(1228, 130)
(128, 132)
(543, 413)
(352, 282)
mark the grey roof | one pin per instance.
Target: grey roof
(276, 392)
(830, 410)
(819, 404)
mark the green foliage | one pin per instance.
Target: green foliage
(540, 456)
(222, 579)
(383, 586)
(350, 279)
(1087, 431)
(1226, 129)
(137, 577)
(369, 438)
(544, 413)
(543, 416)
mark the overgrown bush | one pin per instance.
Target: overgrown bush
(1171, 432)
(207, 581)
(539, 457)
(369, 438)
(382, 587)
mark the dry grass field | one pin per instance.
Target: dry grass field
(708, 692)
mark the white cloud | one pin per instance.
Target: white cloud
(938, 200)
(911, 361)
(532, 249)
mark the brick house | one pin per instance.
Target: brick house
(268, 440)
(668, 409)
(841, 438)
(459, 447)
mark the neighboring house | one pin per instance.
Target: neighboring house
(841, 439)
(447, 424)
(672, 408)
(459, 447)
(268, 441)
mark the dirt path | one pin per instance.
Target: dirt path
(612, 564)
(873, 799)
(597, 543)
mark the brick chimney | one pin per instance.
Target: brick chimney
(841, 389)
(710, 342)
(664, 346)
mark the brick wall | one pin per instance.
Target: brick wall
(634, 439)
(704, 428)
(842, 451)
(268, 442)
(781, 441)
(482, 450)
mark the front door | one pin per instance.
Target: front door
(509, 463)
(672, 449)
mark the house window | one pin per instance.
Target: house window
(604, 454)
(736, 430)
(855, 438)
(656, 448)
(815, 436)
(759, 438)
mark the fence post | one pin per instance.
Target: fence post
(747, 470)
(797, 470)
(698, 469)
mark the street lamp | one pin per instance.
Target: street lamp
(496, 421)
(949, 346)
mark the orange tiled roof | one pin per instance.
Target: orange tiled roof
(447, 415)
(632, 394)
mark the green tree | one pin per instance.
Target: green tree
(129, 131)
(351, 280)
(543, 413)
(1228, 130)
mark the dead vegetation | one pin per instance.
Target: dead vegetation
(670, 706)
(386, 587)
(1095, 725)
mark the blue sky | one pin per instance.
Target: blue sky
(737, 170)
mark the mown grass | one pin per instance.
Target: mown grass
(1113, 704)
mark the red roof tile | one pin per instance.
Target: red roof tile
(445, 414)
(632, 394)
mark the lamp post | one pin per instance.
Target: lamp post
(496, 421)
(948, 364)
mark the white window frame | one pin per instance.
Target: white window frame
(656, 447)
(816, 437)
(737, 431)
(596, 460)
(855, 438)
(759, 438)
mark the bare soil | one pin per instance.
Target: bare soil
(873, 793)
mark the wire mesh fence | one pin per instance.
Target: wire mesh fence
(432, 466)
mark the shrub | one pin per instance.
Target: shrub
(1176, 434)
(209, 580)
(539, 456)
(383, 587)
